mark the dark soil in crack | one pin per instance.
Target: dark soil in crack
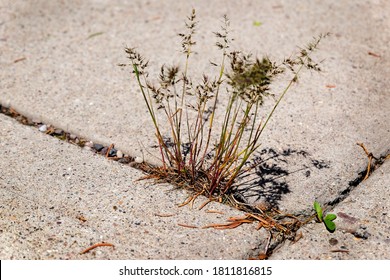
(373, 165)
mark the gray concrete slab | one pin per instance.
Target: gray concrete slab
(363, 226)
(59, 65)
(57, 199)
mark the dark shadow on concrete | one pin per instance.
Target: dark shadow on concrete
(267, 181)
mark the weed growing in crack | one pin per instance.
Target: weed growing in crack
(200, 154)
(327, 220)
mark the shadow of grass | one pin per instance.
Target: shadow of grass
(267, 182)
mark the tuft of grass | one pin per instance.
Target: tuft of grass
(196, 152)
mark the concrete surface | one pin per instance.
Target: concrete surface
(69, 76)
(49, 187)
(363, 226)
(59, 65)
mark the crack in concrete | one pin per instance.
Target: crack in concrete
(372, 166)
(109, 152)
(270, 247)
(353, 184)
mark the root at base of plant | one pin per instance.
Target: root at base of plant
(280, 225)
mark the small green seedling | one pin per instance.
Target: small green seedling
(328, 220)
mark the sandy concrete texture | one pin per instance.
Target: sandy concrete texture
(59, 64)
(363, 226)
(57, 199)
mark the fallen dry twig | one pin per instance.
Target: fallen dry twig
(214, 211)
(102, 244)
(109, 149)
(340, 251)
(164, 215)
(373, 54)
(370, 157)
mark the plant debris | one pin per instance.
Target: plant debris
(373, 54)
(164, 215)
(102, 244)
(370, 156)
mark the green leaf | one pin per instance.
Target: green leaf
(330, 225)
(318, 209)
(257, 23)
(330, 217)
